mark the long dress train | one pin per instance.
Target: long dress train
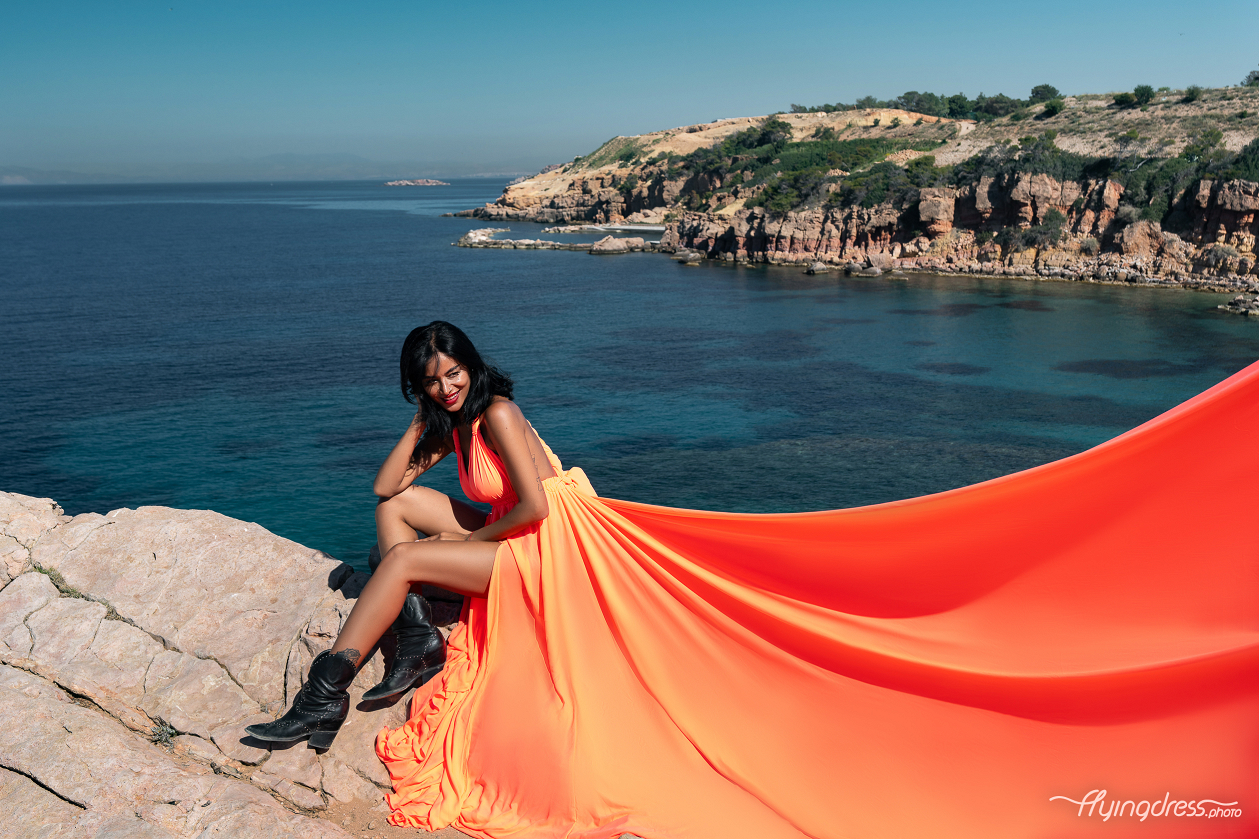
(1048, 654)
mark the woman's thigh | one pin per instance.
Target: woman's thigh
(431, 512)
(464, 567)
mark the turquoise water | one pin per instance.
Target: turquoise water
(234, 347)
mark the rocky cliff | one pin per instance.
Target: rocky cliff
(951, 230)
(135, 647)
(1161, 206)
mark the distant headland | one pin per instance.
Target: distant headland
(1147, 186)
(417, 182)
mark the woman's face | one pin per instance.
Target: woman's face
(446, 381)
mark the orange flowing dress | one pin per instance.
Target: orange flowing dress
(1069, 651)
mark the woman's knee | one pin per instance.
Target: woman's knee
(404, 560)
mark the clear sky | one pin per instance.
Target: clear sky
(496, 86)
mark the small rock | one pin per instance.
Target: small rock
(817, 268)
(610, 245)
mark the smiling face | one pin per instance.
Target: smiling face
(446, 382)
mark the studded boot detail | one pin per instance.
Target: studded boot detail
(319, 707)
(421, 650)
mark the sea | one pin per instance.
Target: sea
(234, 347)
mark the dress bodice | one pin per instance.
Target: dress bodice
(483, 475)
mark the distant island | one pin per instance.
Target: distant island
(1146, 186)
(417, 182)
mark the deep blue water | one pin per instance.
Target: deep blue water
(234, 347)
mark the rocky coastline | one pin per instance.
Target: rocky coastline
(484, 238)
(1005, 223)
(134, 648)
(417, 182)
(955, 233)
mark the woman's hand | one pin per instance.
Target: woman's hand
(447, 536)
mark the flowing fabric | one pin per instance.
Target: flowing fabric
(978, 663)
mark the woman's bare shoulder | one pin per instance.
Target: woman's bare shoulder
(503, 409)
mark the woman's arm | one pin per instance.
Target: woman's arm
(397, 472)
(506, 428)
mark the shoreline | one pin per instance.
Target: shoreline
(484, 238)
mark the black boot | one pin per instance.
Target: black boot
(421, 650)
(319, 707)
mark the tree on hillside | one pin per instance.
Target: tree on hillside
(1252, 79)
(1143, 94)
(1043, 93)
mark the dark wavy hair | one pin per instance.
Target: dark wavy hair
(420, 347)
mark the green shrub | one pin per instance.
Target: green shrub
(163, 734)
(1192, 93)
(1203, 145)
(1089, 246)
(1126, 215)
(1246, 165)
(1052, 108)
(1252, 79)
(1218, 254)
(627, 186)
(1143, 94)
(1125, 100)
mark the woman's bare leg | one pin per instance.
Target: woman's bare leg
(464, 567)
(422, 510)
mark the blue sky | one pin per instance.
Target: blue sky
(492, 86)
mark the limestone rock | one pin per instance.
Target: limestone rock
(126, 787)
(31, 812)
(23, 520)
(192, 694)
(344, 784)
(610, 245)
(1142, 239)
(18, 600)
(194, 746)
(204, 583)
(250, 601)
(935, 209)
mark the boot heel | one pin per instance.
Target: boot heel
(322, 739)
(425, 675)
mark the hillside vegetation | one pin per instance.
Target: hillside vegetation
(846, 154)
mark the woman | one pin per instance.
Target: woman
(458, 394)
(983, 662)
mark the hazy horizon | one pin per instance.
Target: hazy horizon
(186, 91)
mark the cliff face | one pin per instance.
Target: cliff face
(950, 230)
(944, 229)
